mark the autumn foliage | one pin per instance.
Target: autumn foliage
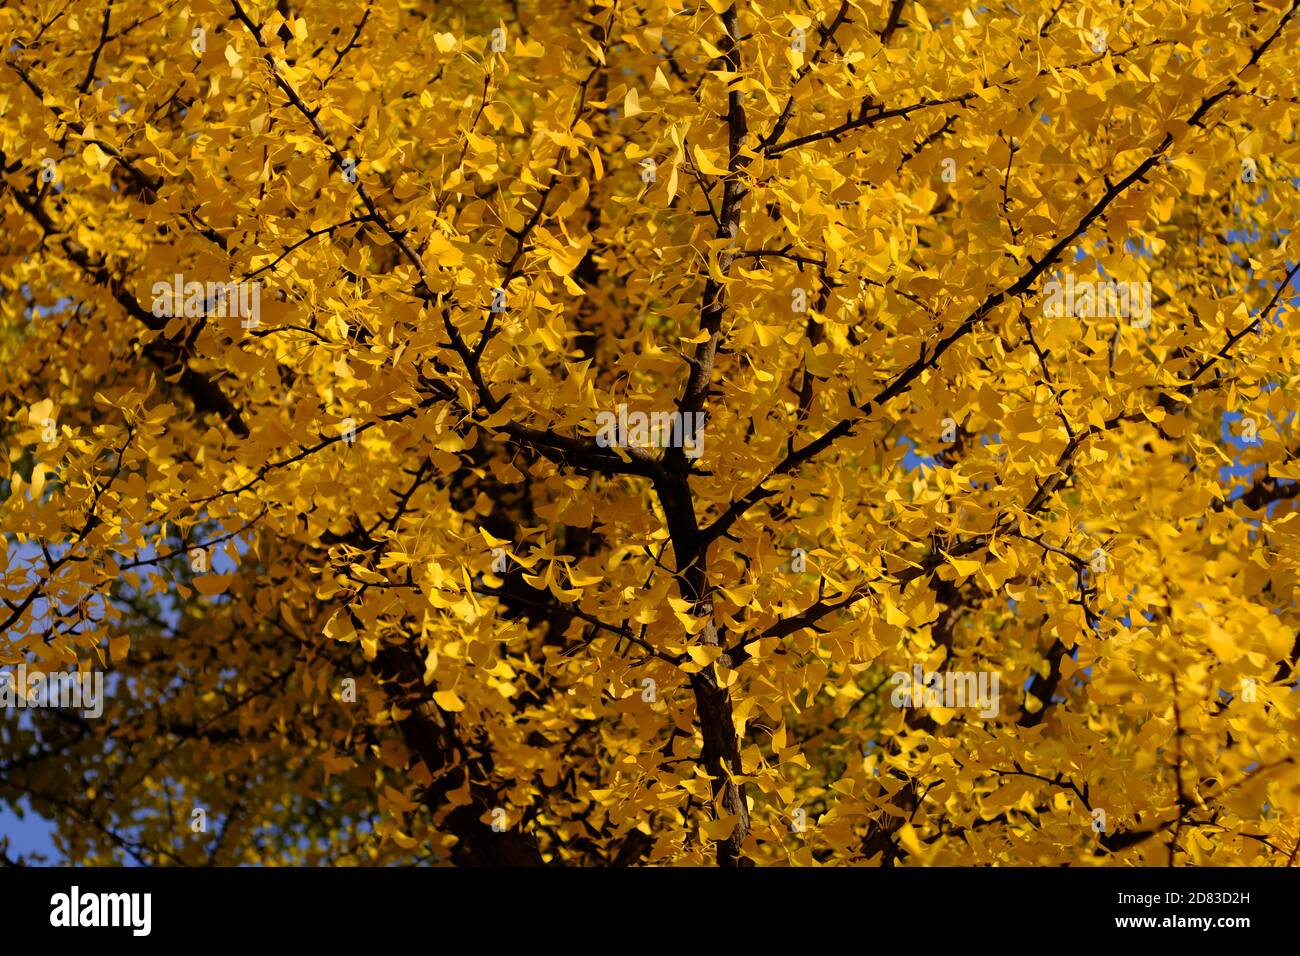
(373, 578)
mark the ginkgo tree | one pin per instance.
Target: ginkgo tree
(636, 431)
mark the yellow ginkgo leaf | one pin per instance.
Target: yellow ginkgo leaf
(448, 700)
(631, 103)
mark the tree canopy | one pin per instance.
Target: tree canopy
(563, 433)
